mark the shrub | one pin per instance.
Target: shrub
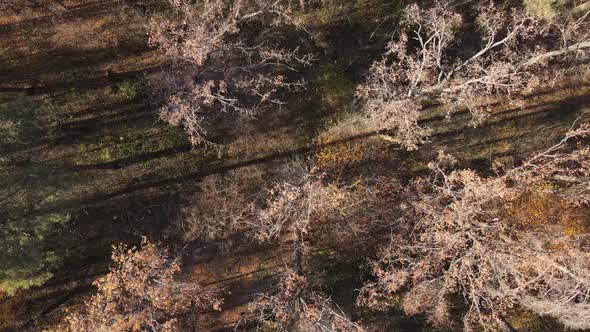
(26, 257)
(17, 121)
(131, 88)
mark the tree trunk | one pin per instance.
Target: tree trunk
(549, 55)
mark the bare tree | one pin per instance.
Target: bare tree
(141, 294)
(223, 207)
(393, 81)
(569, 17)
(227, 58)
(456, 237)
(300, 212)
(297, 308)
(421, 63)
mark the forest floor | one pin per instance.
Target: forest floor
(94, 149)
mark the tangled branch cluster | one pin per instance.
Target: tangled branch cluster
(223, 207)
(291, 209)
